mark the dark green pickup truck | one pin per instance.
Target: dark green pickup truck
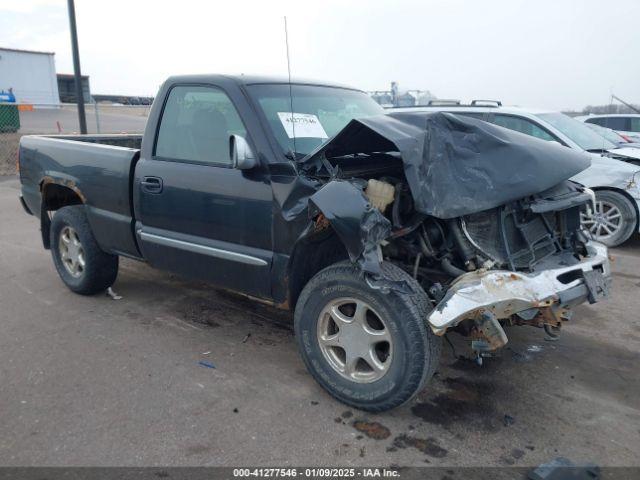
(382, 232)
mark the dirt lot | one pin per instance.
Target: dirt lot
(95, 381)
(110, 119)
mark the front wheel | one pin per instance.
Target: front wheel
(614, 219)
(368, 349)
(80, 262)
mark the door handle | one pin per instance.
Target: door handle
(151, 184)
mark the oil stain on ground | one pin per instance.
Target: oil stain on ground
(516, 454)
(461, 402)
(425, 445)
(374, 430)
(203, 312)
(222, 309)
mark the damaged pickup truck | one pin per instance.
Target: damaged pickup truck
(382, 232)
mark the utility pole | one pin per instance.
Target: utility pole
(82, 118)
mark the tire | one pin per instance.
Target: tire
(71, 237)
(614, 220)
(413, 351)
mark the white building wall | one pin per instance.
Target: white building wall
(32, 75)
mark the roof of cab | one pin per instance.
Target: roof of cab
(254, 80)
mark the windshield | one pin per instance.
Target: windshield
(318, 113)
(606, 133)
(577, 131)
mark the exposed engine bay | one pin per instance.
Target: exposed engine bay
(518, 236)
(488, 256)
(483, 218)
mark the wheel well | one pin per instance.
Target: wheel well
(310, 255)
(54, 197)
(625, 194)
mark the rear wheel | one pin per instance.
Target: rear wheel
(614, 219)
(370, 350)
(81, 264)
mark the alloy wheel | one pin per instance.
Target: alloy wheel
(355, 340)
(71, 252)
(604, 222)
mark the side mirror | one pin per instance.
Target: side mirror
(242, 156)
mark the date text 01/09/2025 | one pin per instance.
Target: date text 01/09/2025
(315, 472)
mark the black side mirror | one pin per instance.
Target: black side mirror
(242, 156)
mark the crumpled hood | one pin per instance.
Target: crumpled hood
(457, 165)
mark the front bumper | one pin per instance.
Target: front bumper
(504, 293)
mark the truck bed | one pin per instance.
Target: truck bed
(98, 168)
(121, 140)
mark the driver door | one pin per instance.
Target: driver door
(197, 215)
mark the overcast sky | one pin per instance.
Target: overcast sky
(558, 54)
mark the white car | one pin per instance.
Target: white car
(626, 124)
(615, 182)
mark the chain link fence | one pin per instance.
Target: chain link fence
(17, 120)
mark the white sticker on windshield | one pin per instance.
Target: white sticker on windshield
(305, 125)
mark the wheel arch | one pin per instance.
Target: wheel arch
(55, 194)
(312, 253)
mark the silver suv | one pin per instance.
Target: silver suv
(617, 206)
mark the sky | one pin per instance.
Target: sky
(560, 54)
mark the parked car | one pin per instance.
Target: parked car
(611, 135)
(620, 140)
(379, 247)
(612, 175)
(627, 124)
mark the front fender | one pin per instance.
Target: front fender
(360, 227)
(609, 173)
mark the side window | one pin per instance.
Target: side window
(617, 123)
(635, 124)
(522, 125)
(196, 124)
(597, 121)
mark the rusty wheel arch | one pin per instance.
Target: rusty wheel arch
(64, 191)
(55, 194)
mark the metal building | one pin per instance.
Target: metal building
(67, 88)
(31, 75)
